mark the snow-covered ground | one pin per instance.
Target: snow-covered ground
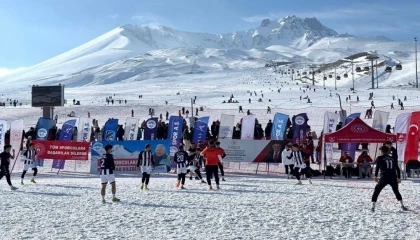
(68, 206)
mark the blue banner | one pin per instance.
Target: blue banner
(350, 148)
(110, 130)
(42, 128)
(279, 126)
(300, 123)
(66, 134)
(200, 129)
(150, 131)
(175, 134)
(126, 155)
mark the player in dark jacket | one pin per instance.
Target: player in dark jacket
(390, 174)
(4, 164)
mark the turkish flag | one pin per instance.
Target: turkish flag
(412, 147)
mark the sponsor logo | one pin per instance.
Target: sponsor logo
(332, 139)
(40, 148)
(42, 133)
(110, 135)
(151, 124)
(299, 120)
(97, 146)
(359, 128)
(16, 135)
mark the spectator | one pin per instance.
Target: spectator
(346, 161)
(363, 162)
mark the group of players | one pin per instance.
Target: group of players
(211, 157)
(28, 159)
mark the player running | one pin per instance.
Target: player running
(212, 155)
(300, 166)
(195, 163)
(390, 174)
(180, 158)
(146, 163)
(4, 164)
(29, 163)
(107, 173)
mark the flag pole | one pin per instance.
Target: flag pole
(16, 157)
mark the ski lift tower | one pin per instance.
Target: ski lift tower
(372, 57)
(312, 67)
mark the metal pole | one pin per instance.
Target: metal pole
(373, 74)
(335, 73)
(417, 77)
(377, 84)
(352, 73)
(192, 114)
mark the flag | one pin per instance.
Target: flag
(42, 128)
(248, 127)
(3, 129)
(330, 123)
(279, 126)
(66, 134)
(200, 129)
(175, 133)
(350, 148)
(300, 123)
(131, 129)
(411, 149)
(84, 129)
(401, 128)
(226, 126)
(16, 134)
(150, 132)
(380, 120)
(110, 130)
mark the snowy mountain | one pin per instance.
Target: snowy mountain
(133, 53)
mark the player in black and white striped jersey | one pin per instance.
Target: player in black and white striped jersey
(107, 173)
(146, 163)
(181, 158)
(29, 163)
(300, 166)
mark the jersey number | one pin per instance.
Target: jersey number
(102, 163)
(388, 163)
(180, 158)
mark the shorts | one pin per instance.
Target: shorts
(26, 167)
(146, 169)
(192, 168)
(180, 170)
(106, 177)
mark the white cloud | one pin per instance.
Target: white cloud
(113, 16)
(148, 19)
(6, 71)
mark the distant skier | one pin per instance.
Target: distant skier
(132, 113)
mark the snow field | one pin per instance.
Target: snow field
(68, 206)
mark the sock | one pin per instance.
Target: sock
(21, 180)
(401, 202)
(103, 197)
(113, 195)
(373, 204)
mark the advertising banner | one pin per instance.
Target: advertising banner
(279, 126)
(3, 130)
(226, 126)
(42, 128)
(16, 135)
(248, 127)
(300, 124)
(110, 130)
(126, 154)
(252, 151)
(401, 128)
(66, 134)
(84, 129)
(350, 148)
(64, 150)
(150, 131)
(200, 129)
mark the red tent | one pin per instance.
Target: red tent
(358, 131)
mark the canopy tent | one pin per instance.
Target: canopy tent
(357, 131)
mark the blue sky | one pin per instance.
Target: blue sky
(34, 31)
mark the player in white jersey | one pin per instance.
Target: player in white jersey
(29, 163)
(146, 163)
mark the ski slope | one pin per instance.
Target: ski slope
(68, 206)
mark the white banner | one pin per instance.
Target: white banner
(131, 129)
(16, 134)
(248, 127)
(226, 126)
(401, 129)
(380, 120)
(330, 123)
(3, 129)
(248, 150)
(84, 129)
